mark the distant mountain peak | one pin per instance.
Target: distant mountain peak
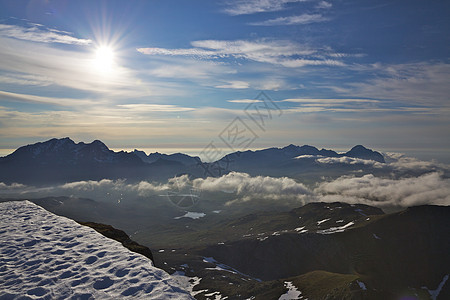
(99, 144)
(359, 148)
(359, 151)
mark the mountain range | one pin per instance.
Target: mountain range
(63, 160)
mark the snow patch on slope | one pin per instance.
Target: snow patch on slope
(435, 293)
(43, 255)
(336, 229)
(192, 215)
(292, 293)
(322, 221)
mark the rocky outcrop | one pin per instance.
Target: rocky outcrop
(120, 236)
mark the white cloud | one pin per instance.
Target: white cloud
(39, 33)
(346, 160)
(245, 101)
(154, 108)
(191, 69)
(292, 20)
(430, 188)
(415, 83)
(235, 84)
(66, 68)
(352, 105)
(249, 188)
(244, 7)
(405, 190)
(329, 101)
(324, 4)
(298, 63)
(45, 100)
(25, 79)
(12, 186)
(401, 162)
(115, 187)
(183, 52)
(278, 52)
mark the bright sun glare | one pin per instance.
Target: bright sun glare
(104, 59)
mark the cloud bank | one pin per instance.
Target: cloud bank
(390, 188)
(248, 188)
(430, 188)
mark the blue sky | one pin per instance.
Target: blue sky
(175, 75)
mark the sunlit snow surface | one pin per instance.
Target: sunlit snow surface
(292, 294)
(192, 215)
(44, 256)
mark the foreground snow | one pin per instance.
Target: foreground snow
(44, 256)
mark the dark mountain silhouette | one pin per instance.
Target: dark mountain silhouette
(177, 157)
(275, 155)
(63, 160)
(364, 153)
(285, 161)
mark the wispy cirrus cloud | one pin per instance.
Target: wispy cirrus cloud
(190, 69)
(42, 34)
(324, 4)
(235, 84)
(44, 100)
(245, 7)
(292, 20)
(329, 101)
(67, 68)
(245, 101)
(414, 83)
(24, 79)
(349, 105)
(279, 52)
(140, 107)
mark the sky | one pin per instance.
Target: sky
(227, 75)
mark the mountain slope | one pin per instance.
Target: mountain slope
(390, 254)
(349, 251)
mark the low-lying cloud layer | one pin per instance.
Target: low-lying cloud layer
(397, 187)
(430, 188)
(247, 188)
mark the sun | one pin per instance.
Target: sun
(104, 59)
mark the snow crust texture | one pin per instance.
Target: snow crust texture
(44, 256)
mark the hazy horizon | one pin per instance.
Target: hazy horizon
(175, 74)
(441, 156)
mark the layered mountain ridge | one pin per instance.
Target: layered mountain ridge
(63, 160)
